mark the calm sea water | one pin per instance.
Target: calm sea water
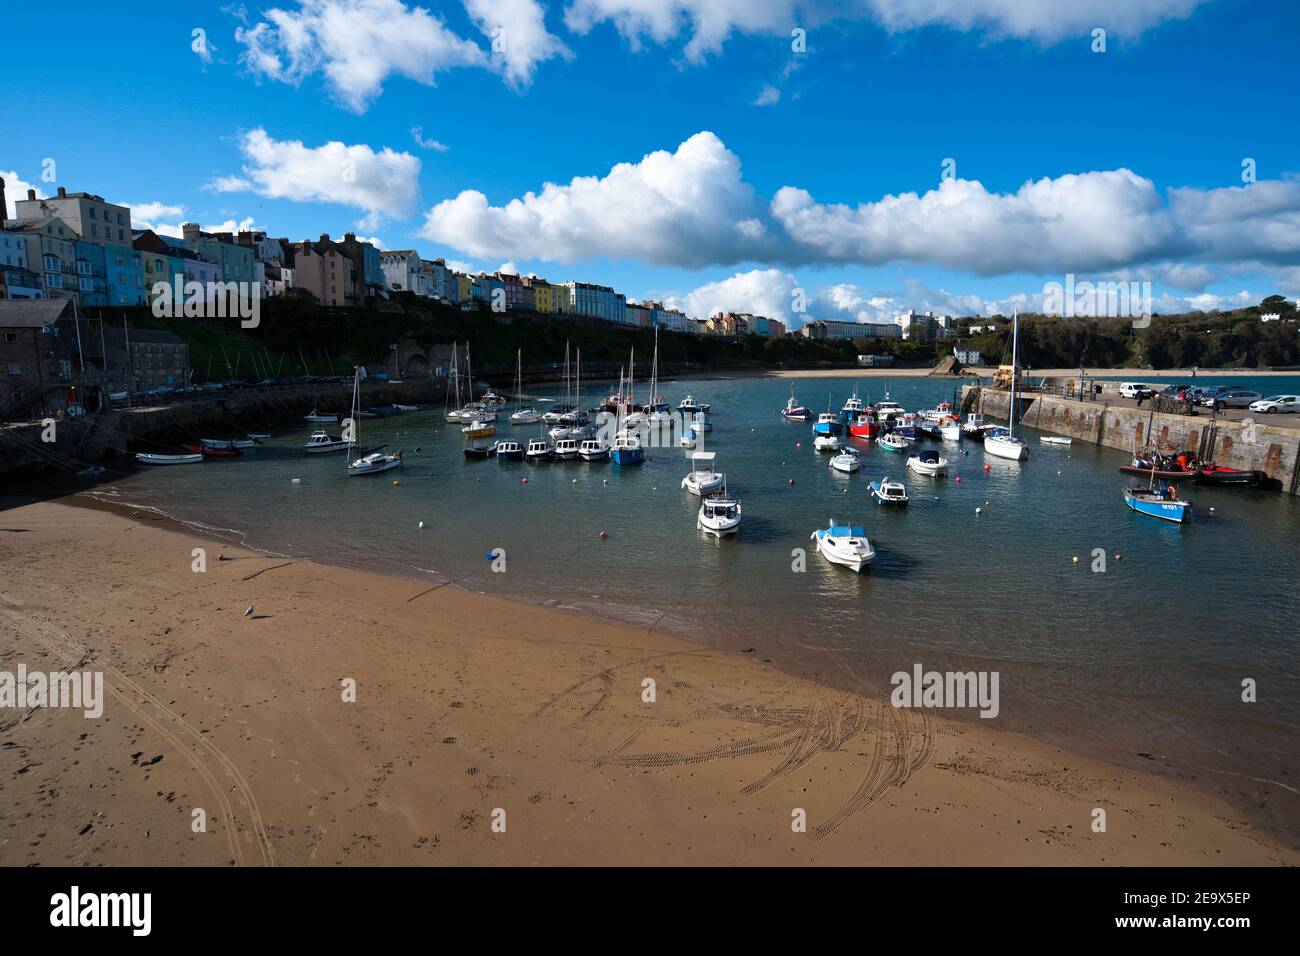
(1145, 658)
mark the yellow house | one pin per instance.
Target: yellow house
(464, 287)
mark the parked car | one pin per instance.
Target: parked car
(1135, 390)
(1276, 403)
(1236, 398)
(1207, 397)
(1175, 391)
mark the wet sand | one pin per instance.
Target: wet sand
(472, 710)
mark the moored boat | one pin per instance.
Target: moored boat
(928, 462)
(478, 429)
(481, 451)
(323, 418)
(887, 491)
(627, 449)
(846, 545)
(566, 449)
(1155, 504)
(793, 411)
(149, 458)
(593, 449)
(510, 451)
(702, 478)
(321, 442)
(892, 441)
(826, 443)
(846, 461)
(539, 449)
(719, 514)
(1231, 477)
(864, 425)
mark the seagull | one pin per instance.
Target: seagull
(248, 611)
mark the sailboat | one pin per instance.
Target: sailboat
(376, 461)
(1003, 442)
(452, 413)
(627, 448)
(522, 416)
(657, 411)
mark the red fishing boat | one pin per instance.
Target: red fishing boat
(865, 425)
(214, 451)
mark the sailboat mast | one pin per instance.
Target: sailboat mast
(1015, 345)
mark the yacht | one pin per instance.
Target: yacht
(1003, 442)
(374, 463)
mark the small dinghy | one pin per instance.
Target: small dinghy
(846, 461)
(147, 458)
(324, 419)
(227, 442)
(889, 492)
(259, 436)
(719, 514)
(1155, 504)
(928, 462)
(481, 451)
(845, 544)
(826, 443)
(703, 480)
(1054, 440)
(539, 450)
(892, 441)
(213, 451)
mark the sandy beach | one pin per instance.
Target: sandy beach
(472, 710)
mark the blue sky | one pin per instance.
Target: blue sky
(795, 160)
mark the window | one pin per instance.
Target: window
(92, 213)
(11, 337)
(121, 221)
(54, 281)
(52, 264)
(15, 368)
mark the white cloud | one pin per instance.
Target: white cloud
(15, 189)
(508, 268)
(151, 211)
(768, 292)
(518, 36)
(456, 265)
(712, 22)
(689, 207)
(356, 44)
(417, 133)
(382, 183)
(767, 96)
(692, 208)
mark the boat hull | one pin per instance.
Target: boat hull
(628, 456)
(1002, 448)
(1229, 477)
(1174, 511)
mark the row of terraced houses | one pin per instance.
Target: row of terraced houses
(81, 247)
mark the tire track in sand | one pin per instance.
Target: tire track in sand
(131, 695)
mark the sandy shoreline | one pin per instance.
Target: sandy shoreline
(469, 704)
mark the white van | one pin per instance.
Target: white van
(1135, 390)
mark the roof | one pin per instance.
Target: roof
(704, 455)
(31, 313)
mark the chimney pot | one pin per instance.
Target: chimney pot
(31, 194)
(63, 193)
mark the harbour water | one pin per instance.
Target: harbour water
(1141, 663)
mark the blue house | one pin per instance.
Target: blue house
(92, 277)
(124, 269)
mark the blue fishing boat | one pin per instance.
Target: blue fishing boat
(627, 449)
(828, 423)
(1154, 504)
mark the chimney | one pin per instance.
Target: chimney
(324, 237)
(31, 194)
(349, 237)
(190, 231)
(63, 193)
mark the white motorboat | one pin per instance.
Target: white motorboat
(314, 416)
(854, 407)
(887, 491)
(703, 479)
(539, 450)
(974, 426)
(700, 422)
(845, 544)
(148, 458)
(566, 449)
(374, 463)
(719, 514)
(688, 438)
(689, 406)
(888, 408)
(321, 442)
(949, 429)
(525, 416)
(847, 461)
(928, 462)
(827, 443)
(1054, 440)
(593, 449)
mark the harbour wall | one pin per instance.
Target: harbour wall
(1243, 444)
(82, 441)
